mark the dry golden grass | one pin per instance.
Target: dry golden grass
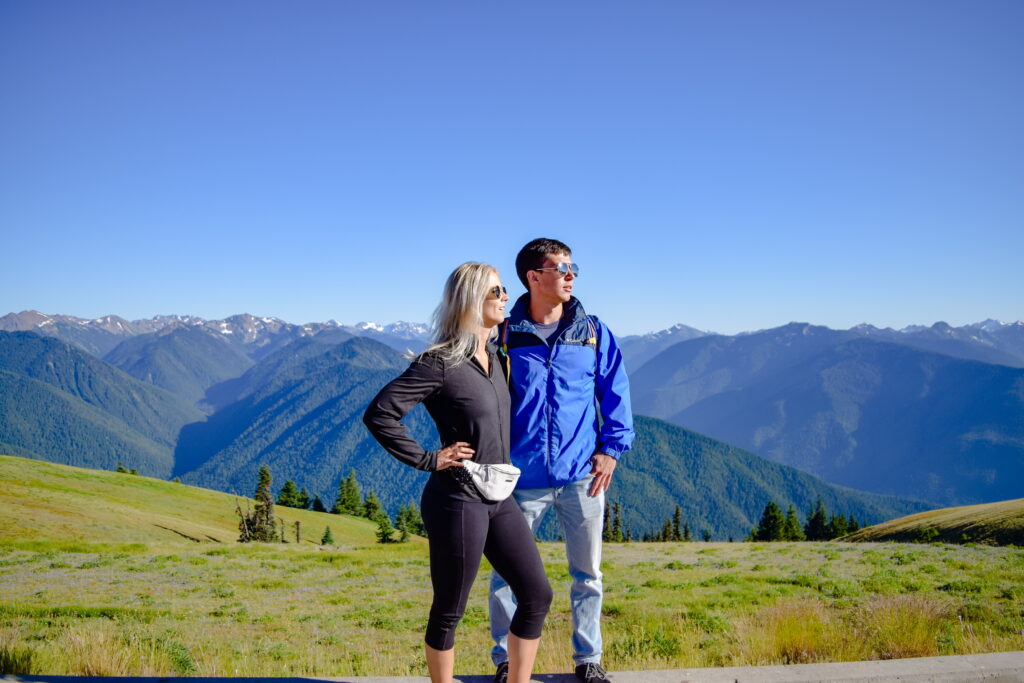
(999, 523)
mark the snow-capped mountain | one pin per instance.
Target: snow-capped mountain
(100, 336)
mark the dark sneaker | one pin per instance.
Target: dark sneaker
(501, 675)
(591, 672)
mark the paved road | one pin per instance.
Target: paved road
(1003, 667)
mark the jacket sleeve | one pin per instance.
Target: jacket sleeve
(612, 389)
(383, 417)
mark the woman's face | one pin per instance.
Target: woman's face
(494, 305)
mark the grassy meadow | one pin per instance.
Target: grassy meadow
(99, 575)
(999, 523)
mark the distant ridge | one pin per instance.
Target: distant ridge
(257, 335)
(866, 413)
(999, 523)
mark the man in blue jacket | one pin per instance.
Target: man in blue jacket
(565, 368)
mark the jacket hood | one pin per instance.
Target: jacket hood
(520, 314)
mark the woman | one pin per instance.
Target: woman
(464, 389)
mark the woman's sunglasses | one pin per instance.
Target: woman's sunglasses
(564, 269)
(497, 292)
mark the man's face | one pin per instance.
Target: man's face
(549, 285)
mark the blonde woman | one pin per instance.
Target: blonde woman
(464, 389)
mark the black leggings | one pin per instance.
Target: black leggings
(460, 532)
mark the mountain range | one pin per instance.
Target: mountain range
(927, 413)
(299, 409)
(860, 412)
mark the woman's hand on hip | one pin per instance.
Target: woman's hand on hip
(450, 456)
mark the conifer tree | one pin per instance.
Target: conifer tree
(121, 469)
(770, 528)
(791, 530)
(687, 535)
(372, 508)
(677, 520)
(816, 528)
(666, 531)
(350, 499)
(854, 525)
(409, 521)
(289, 495)
(837, 526)
(384, 528)
(617, 523)
(303, 499)
(318, 505)
(327, 538)
(261, 525)
(606, 525)
(705, 535)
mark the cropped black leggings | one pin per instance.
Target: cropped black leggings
(460, 532)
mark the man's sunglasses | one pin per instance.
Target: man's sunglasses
(497, 292)
(564, 269)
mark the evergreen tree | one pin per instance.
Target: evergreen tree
(303, 499)
(706, 535)
(770, 528)
(318, 505)
(837, 526)
(384, 528)
(854, 525)
(289, 495)
(372, 509)
(260, 524)
(677, 520)
(687, 536)
(350, 500)
(666, 531)
(121, 469)
(409, 521)
(791, 530)
(328, 537)
(616, 523)
(816, 528)
(606, 525)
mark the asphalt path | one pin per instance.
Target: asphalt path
(1001, 667)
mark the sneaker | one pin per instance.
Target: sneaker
(501, 675)
(591, 672)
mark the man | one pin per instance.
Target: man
(561, 362)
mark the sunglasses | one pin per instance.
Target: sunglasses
(496, 292)
(564, 269)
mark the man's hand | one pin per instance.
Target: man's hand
(604, 465)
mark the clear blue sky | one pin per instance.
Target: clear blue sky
(728, 165)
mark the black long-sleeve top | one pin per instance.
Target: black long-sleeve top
(466, 403)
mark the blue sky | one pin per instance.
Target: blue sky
(728, 165)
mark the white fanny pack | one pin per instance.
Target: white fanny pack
(494, 482)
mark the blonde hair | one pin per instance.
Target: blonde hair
(460, 313)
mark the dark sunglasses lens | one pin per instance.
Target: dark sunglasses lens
(498, 292)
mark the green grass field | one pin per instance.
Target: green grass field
(92, 582)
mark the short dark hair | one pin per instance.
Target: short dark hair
(533, 254)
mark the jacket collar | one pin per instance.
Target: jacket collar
(519, 319)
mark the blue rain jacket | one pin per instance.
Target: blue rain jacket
(557, 392)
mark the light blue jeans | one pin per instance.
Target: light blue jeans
(582, 519)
